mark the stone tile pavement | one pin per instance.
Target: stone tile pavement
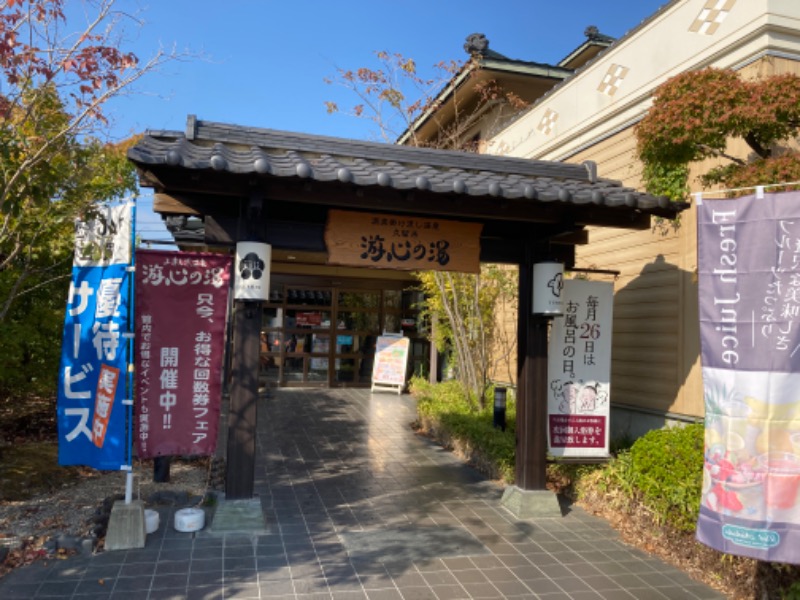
(359, 507)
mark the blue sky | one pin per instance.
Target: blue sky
(263, 63)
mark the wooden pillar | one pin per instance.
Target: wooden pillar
(242, 415)
(531, 449)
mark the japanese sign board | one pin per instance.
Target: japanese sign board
(391, 360)
(90, 409)
(749, 300)
(181, 310)
(402, 242)
(579, 371)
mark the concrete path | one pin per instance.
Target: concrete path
(357, 506)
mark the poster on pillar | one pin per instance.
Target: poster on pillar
(181, 309)
(579, 371)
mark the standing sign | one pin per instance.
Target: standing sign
(579, 371)
(391, 359)
(91, 414)
(181, 308)
(749, 293)
(402, 242)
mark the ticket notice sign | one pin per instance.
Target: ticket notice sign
(391, 360)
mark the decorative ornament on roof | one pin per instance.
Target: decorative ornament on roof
(476, 44)
(593, 34)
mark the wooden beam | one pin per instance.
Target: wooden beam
(167, 204)
(571, 238)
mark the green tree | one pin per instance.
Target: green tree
(464, 307)
(393, 95)
(55, 79)
(696, 114)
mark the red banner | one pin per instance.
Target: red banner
(181, 309)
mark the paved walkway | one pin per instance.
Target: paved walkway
(359, 507)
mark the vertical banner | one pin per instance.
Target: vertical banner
(579, 371)
(181, 310)
(749, 300)
(90, 410)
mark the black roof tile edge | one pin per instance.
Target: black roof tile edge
(244, 150)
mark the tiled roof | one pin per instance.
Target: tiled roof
(278, 154)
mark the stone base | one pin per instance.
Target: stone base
(238, 516)
(126, 526)
(530, 504)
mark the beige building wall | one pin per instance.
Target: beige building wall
(655, 362)
(655, 335)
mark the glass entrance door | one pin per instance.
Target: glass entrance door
(318, 336)
(358, 324)
(295, 337)
(306, 336)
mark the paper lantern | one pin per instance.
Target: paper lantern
(548, 284)
(253, 261)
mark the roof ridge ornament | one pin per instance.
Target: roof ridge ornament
(476, 44)
(593, 34)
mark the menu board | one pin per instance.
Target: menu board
(391, 358)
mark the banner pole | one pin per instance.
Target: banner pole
(131, 349)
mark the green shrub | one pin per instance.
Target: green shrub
(446, 407)
(662, 470)
(666, 473)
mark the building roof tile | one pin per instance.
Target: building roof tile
(279, 154)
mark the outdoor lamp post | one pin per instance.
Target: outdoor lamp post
(500, 408)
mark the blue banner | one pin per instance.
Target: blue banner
(92, 429)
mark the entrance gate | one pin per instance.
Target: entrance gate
(285, 189)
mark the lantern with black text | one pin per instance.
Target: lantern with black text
(252, 271)
(548, 283)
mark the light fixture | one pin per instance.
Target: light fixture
(253, 263)
(548, 285)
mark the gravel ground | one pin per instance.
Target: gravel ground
(29, 529)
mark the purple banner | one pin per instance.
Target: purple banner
(749, 300)
(181, 308)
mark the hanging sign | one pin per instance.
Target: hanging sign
(749, 298)
(253, 263)
(90, 409)
(402, 242)
(579, 371)
(181, 308)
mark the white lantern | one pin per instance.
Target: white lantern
(548, 284)
(253, 260)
